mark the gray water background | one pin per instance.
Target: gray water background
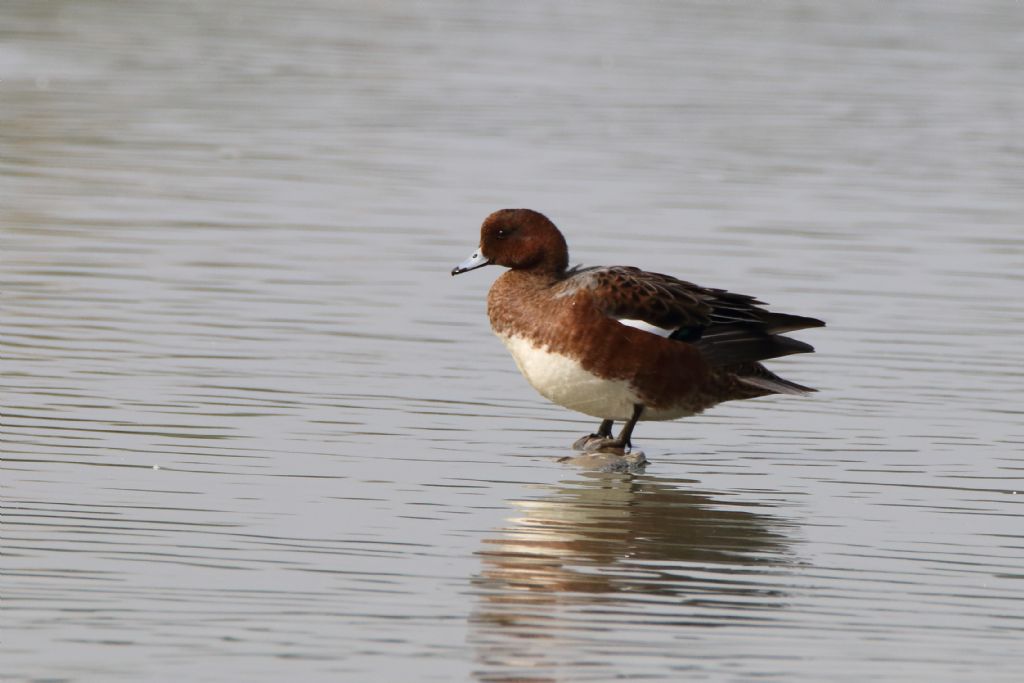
(253, 431)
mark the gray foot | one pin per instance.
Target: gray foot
(593, 443)
(603, 461)
(590, 442)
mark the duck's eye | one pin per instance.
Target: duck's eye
(502, 233)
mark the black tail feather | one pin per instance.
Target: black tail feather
(738, 343)
(780, 323)
(776, 385)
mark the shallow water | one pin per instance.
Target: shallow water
(252, 429)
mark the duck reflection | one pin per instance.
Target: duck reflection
(608, 552)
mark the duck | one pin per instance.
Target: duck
(623, 344)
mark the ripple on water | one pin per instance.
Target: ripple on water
(252, 430)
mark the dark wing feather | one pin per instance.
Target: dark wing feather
(624, 292)
(736, 343)
(729, 329)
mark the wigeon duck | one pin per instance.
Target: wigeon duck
(622, 344)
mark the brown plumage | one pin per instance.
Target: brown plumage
(677, 348)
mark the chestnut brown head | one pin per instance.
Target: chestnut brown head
(519, 239)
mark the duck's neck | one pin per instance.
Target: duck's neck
(541, 274)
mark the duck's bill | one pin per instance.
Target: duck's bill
(477, 260)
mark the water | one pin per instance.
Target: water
(253, 430)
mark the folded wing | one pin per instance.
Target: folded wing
(729, 329)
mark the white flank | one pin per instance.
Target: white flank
(564, 381)
(646, 327)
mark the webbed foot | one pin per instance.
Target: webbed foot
(633, 462)
(590, 442)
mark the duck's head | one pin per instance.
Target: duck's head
(519, 239)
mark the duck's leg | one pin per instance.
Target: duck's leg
(623, 439)
(620, 443)
(604, 433)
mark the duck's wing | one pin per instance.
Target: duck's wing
(727, 328)
(625, 293)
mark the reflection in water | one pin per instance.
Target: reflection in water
(607, 550)
(224, 234)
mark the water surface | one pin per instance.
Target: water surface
(253, 430)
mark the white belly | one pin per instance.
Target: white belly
(564, 381)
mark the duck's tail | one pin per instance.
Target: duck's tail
(773, 384)
(744, 342)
